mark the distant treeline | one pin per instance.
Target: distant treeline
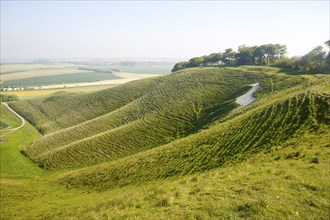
(315, 61)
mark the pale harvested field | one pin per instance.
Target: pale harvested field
(27, 94)
(79, 87)
(40, 72)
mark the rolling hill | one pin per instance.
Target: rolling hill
(175, 146)
(169, 108)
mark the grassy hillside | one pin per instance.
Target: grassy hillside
(225, 143)
(290, 181)
(171, 107)
(7, 119)
(287, 182)
(268, 160)
(61, 111)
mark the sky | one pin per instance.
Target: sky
(156, 29)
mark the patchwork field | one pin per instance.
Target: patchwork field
(28, 94)
(58, 76)
(16, 68)
(174, 147)
(40, 73)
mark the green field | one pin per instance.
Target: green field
(59, 79)
(174, 147)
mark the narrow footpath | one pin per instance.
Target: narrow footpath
(15, 113)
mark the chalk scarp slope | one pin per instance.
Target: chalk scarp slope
(172, 107)
(224, 143)
(60, 111)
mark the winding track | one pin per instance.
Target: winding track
(15, 113)
(247, 98)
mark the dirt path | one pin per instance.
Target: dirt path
(247, 98)
(20, 117)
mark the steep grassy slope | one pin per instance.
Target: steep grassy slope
(7, 119)
(268, 160)
(233, 140)
(61, 111)
(290, 181)
(172, 107)
(284, 183)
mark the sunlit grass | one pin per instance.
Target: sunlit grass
(269, 160)
(27, 94)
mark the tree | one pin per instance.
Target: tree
(195, 62)
(313, 60)
(179, 66)
(244, 55)
(212, 59)
(259, 55)
(229, 56)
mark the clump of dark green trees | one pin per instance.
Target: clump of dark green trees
(315, 61)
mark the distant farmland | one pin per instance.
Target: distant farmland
(59, 79)
(62, 74)
(40, 72)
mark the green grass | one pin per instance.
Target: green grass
(13, 165)
(24, 186)
(171, 107)
(222, 144)
(64, 110)
(268, 160)
(7, 119)
(269, 185)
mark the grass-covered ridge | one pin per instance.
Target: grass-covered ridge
(61, 111)
(227, 142)
(268, 160)
(170, 108)
(289, 181)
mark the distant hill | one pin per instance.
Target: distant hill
(41, 61)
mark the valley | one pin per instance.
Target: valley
(177, 146)
(164, 110)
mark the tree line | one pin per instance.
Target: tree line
(315, 61)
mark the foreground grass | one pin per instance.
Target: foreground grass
(7, 119)
(24, 188)
(285, 174)
(290, 181)
(287, 182)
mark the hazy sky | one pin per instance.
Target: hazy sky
(157, 29)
